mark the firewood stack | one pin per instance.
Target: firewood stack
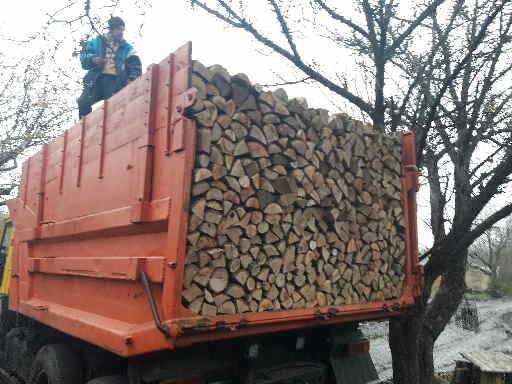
(290, 207)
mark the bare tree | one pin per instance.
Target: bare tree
(467, 154)
(86, 18)
(33, 109)
(445, 78)
(493, 249)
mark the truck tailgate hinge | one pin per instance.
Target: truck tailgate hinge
(177, 126)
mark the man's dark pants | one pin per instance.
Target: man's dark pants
(104, 87)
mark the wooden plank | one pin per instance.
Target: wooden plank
(492, 362)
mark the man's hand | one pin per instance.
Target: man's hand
(98, 61)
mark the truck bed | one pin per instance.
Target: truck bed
(102, 220)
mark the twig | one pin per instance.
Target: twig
(293, 82)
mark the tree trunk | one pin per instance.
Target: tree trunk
(379, 114)
(405, 348)
(412, 338)
(412, 351)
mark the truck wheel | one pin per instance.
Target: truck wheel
(56, 364)
(109, 380)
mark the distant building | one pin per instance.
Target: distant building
(477, 279)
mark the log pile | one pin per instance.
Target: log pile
(290, 207)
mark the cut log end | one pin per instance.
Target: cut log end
(290, 207)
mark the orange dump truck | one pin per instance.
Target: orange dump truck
(99, 252)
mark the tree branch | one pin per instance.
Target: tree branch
(500, 174)
(284, 27)
(417, 22)
(477, 231)
(242, 23)
(369, 15)
(336, 16)
(422, 136)
(292, 82)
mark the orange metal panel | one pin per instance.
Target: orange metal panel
(80, 153)
(410, 186)
(161, 103)
(145, 148)
(102, 140)
(63, 162)
(24, 182)
(182, 154)
(110, 199)
(122, 268)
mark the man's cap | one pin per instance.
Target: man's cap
(115, 22)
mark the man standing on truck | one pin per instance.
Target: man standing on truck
(110, 62)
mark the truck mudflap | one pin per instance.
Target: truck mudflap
(350, 358)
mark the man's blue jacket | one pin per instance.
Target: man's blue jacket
(128, 64)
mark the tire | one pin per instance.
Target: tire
(56, 364)
(18, 354)
(109, 380)
(6, 378)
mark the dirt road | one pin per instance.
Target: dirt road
(495, 335)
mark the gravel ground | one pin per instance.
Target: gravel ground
(495, 335)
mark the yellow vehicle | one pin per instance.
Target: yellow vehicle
(6, 230)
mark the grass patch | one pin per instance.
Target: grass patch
(501, 288)
(478, 296)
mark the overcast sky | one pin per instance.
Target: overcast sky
(169, 24)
